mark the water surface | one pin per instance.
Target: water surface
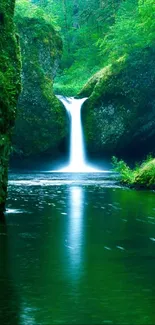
(77, 250)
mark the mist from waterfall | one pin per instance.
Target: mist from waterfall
(77, 155)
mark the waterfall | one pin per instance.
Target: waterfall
(77, 156)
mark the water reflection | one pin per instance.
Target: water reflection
(61, 268)
(75, 236)
(27, 314)
(9, 310)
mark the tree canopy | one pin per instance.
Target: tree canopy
(94, 33)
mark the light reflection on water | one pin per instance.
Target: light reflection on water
(79, 253)
(59, 179)
(27, 314)
(75, 228)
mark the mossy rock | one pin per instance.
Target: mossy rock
(10, 86)
(42, 123)
(119, 115)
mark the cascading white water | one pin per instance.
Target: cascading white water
(77, 159)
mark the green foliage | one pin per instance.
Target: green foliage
(132, 31)
(97, 33)
(70, 82)
(80, 24)
(145, 176)
(25, 9)
(126, 174)
(142, 175)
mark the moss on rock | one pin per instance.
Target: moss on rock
(9, 88)
(119, 115)
(41, 123)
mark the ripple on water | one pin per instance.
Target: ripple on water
(57, 179)
(14, 211)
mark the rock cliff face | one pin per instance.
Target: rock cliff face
(119, 116)
(41, 123)
(9, 88)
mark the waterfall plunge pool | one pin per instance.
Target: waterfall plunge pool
(76, 251)
(77, 248)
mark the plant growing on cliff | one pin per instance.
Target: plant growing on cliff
(142, 175)
(26, 9)
(120, 166)
(96, 33)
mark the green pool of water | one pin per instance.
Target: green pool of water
(77, 250)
